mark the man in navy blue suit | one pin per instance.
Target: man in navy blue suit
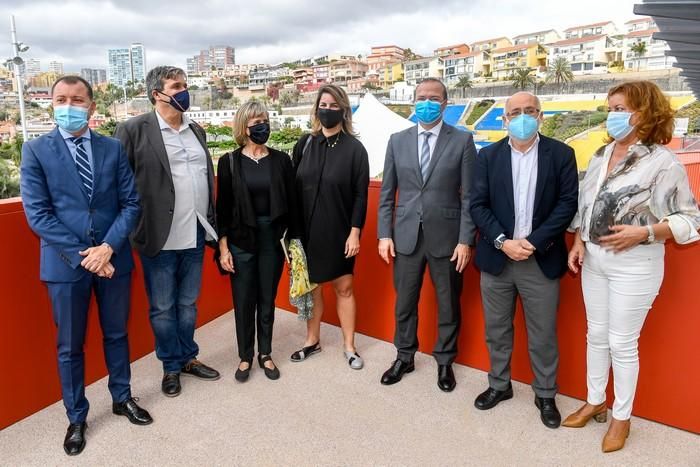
(79, 198)
(524, 195)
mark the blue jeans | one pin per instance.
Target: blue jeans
(173, 280)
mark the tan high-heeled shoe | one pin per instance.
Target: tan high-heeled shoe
(599, 413)
(617, 434)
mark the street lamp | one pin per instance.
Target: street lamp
(17, 61)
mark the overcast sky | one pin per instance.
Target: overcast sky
(79, 32)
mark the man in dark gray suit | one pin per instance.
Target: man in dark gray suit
(175, 180)
(430, 166)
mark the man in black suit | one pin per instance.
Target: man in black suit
(175, 180)
(524, 195)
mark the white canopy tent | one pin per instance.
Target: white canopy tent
(374, 123)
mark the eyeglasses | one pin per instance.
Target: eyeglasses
(531, 111)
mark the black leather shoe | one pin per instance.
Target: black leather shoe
(75, 439)
(198, 369)
(491, 397)
(242, 375)
(273, 373)
(394, 374)
(171, 384)
(446, 378)
(548, 411)
(133, 412)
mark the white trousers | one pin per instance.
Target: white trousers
(618, 290)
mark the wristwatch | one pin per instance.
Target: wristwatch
(651, 238)
(498, 243)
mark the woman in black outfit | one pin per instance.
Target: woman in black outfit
(254, 204)
(332, 179)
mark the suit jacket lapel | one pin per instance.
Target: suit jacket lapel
(155, 139)
(66, 159)
(98, 158)
(443, 138)
(412, 153)
(544, 158)
(505, 155)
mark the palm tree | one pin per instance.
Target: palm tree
(522, 78)
(464, 82)
(639, 48)
(560, 72)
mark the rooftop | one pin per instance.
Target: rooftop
(594, 25)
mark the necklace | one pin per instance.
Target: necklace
(255, 159)
(334, 143)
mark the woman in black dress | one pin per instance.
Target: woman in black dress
(255, 202)
(332, 179)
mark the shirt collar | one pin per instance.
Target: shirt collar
(434, 130)
(86, 134)
(534, 143)
(164, 125)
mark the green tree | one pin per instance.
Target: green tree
(463, 83)
(108, 127)
(219, 130)
(559, 72)
(408, 54)
(522, 78)
(639, 49)
(9, 179)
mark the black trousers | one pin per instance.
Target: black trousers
(254, 285)
(408, 281)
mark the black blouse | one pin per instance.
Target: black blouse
(257, 178)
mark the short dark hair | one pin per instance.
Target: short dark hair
(434, 80)
(73, 79)
(155, 79)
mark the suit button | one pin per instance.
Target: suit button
(170, 211)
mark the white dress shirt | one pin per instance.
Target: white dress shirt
(524, 170)
(435, 132)
(188, 165)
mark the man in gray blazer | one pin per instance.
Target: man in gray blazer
(175, 180)
(430, 166)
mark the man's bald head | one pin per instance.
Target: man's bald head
(521, 100)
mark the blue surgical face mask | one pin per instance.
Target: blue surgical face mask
(428, 111)
(70, 118)
(523, 127)
(618, 125)
(179, 101)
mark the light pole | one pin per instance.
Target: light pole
(17, 61)
(126, 107)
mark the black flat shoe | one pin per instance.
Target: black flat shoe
(74, 443)
(549, 414)
(199, 370)
(242, 375)
(491, 397)
(446, 378)
(305, 352)
(270, 373)
(133, 412)
(171, 384)
(394, 374)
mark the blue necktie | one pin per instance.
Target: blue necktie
(425, 155)
(82, 163)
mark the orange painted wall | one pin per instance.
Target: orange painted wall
(670, 356)
(29, 378)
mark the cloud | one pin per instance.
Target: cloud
(79, 32)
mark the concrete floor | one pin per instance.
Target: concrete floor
(320, 412)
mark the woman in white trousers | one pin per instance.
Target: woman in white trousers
(634, 197)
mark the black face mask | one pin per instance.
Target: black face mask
(260, 133)
(330, 118)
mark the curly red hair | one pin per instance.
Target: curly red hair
(653, 109)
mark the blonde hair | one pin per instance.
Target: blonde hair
(655, 115)
(250, 109)
(341, 98)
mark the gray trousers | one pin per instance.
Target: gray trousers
(540, 298)
(408, 280)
